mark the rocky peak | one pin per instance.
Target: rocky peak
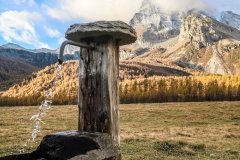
(157, 24)
(148, 15)
(231, 19)
(198, 12)
(202, 30)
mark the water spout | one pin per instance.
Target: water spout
(61, 51)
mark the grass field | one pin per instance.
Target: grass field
(148, 131)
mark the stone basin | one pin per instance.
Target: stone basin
(73, 145)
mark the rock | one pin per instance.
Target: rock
(73, 145)
(117, 29)
(141, 51)
(78, 146)
(157, 24)
(26, 156)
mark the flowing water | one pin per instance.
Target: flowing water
(37, 119)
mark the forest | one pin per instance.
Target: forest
(180, 89)
(153, 89)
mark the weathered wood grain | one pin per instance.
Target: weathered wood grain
(98, 88)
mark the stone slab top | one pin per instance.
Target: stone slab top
(125, 33)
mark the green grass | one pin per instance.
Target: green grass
(148, 131)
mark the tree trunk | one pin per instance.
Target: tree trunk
(98, 88)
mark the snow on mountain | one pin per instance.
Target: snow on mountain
(69, 49)
(13, 46)
(43, 50)
(231, 19)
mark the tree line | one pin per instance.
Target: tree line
(153, 89)
(178, 90)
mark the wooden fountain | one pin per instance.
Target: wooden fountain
(97, 137)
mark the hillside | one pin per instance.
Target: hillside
(145, 89)
(18, 63)
(33, 90)
(13, 71)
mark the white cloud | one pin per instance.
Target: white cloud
(182, 5)
(19, 26)
(93, 9)
(124, 10)
(52, 33)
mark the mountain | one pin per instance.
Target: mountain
(14, 71)
(43, 50)
(231, 19)
(25, 61)
(208, 44)
(192, 42)
(13, 46)
(36, 57)
(38, 60)
(153, 25)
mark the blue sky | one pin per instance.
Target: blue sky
(42, 23)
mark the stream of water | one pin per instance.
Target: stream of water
(46, 104)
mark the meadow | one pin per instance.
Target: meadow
(174, 131)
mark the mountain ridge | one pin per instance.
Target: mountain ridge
(202, 43)
(27, 60)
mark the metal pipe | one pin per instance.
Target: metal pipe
(61, 51)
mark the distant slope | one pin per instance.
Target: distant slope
(39, 60)
(13, 71)
(18, 63)
(33, 89)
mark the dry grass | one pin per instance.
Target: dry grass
(148, 131)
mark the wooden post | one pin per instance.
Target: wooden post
(98, 88)
(98, 99)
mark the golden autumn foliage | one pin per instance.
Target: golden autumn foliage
(139, 90)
